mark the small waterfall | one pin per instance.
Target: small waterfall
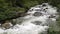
(37, 21)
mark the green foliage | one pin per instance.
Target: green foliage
(53, 32)
(8, 8)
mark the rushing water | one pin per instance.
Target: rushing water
(36, 22)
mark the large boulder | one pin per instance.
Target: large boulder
(6, 25)
(37, 14)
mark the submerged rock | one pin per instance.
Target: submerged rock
(37, 22)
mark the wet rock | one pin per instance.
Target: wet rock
(52, 16)
(44, 4)
(37, 14)
(6, 25)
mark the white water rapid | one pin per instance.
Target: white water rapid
(36, 22)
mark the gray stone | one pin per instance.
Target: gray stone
(37, 14)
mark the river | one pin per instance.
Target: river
(38, 20)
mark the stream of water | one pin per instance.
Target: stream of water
(36, 22)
